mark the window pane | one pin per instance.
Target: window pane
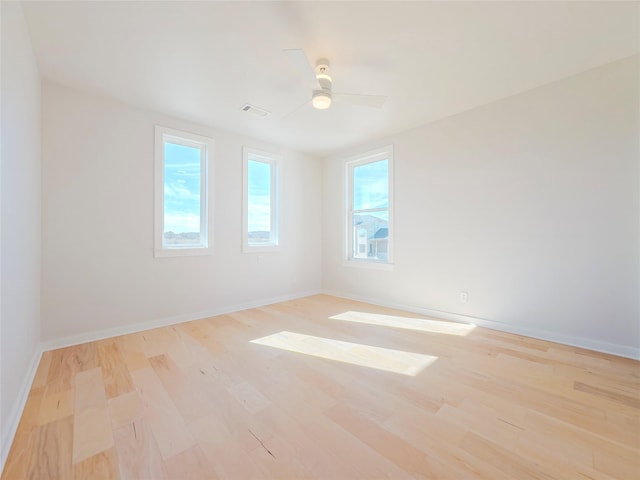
(181, 195)
(371, 185)
(259, 200)
(371, 235)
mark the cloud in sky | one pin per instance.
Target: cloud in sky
(371, 185)
(259, 213)
(181, 189)
(181, 222)
(259, 185)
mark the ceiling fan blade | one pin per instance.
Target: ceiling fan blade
(287, 115)
(300, 60)
(375, 101)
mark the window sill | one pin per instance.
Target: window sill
(182, 252)
(368, 264)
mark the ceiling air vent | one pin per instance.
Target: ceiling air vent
(253, 110)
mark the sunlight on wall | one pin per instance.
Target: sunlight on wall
(396, 361)
(407, 323)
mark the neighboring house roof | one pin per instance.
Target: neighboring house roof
(373, 225)
(381, 233)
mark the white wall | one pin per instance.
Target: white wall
(530, 204)
(98, 267)
(20, 213)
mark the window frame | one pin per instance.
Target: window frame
(206, 147)
(274, 161)
(372, 156)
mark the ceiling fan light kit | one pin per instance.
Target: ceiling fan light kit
(321, 100)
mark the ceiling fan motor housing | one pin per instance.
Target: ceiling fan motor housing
(322, 74)
(321, 99)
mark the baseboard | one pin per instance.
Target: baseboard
(18, 407)
(589, 344)
(166, 321)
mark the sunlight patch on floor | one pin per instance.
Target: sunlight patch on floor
(387, 359)
(407, 323)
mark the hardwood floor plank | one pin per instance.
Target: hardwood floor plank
(181, 351)
(439, 441)
(114, 370)
(89, 388)
(230, 462)
(67, 362)
(363, 461)
(507, 461)
(617, 462)
(227, 450)
(249, 397)
(277, 459)
(390, 446)
(134, 342)
(92, 432)
(138, 453)
(28, 422)
(633, 402)
(48, 454)
(102, 466)
(56, 405)
(163, 417)
(282, 436)
(192, 464)
(136, 361)
(125, 409)
(557, 460)
(188, 388)
(157, 341)
(40, 379)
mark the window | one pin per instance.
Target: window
(183, 165)
(368, 204)
(260, 205)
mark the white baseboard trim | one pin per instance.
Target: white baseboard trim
(18, 407)
(589, 344)
(166, 321)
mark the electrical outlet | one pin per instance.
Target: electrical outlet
(463, 297)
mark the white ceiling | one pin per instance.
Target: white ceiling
(202, 61)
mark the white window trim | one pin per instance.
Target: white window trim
(206, 198)
(349, 164)
(275, 161)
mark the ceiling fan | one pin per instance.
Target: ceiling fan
(322, 95)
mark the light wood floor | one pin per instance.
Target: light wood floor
(288, 392)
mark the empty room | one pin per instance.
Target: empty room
(312, 239)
